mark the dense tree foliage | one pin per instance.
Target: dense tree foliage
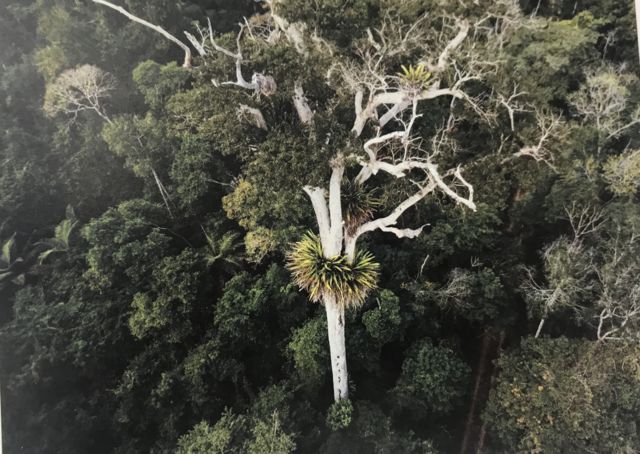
(567, 395)
(148, 214)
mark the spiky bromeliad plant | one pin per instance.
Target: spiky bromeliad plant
(414, 77)
(359, 205)
(349, 283)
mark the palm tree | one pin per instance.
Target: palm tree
(10, 268)
(225, 250)
(62, 236)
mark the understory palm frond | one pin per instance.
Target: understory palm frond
(62, 236)
(8, 261)
(226, 249)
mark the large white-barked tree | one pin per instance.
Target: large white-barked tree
(393, 76)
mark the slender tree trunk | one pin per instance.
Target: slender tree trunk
(475, 427)
(337, 348)
(483, 429)
(637, 5)
(472, 417)
(540, 325)
(0, 418)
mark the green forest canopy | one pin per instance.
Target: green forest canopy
(155, 230)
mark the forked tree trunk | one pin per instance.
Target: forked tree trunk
(337, 348)
(330, 226)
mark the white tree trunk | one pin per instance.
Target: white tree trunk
(540, 325)
(337, 348)
(330, 226)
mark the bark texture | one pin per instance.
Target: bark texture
(337, 348)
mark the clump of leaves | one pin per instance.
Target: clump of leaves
(359, 205)
(433, 379)
(259, 243)
(414, 77)
(348, 283)
(622, 172)
(340, 414)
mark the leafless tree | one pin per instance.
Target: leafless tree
(604, 101)
(619, 302)
(569, 267)
(260, 83)
(594, 273)
(549, 126)
(77, 90)
(458, 291)
(513, 105)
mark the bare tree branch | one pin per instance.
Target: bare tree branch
(549, 125)
(260, 83)
(294, 32)
(468, 201)
(399, 100)
(253, 115)
(80, 89)
(305, 114)
(443, 59)
(512, 105)
(157, 28)
(392, 219)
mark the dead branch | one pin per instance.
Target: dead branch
(512, 105)
(157, 28)
(252, 115)
(604, 99)
(80, 89)
(391, 219)
(261, 84)
(549, 125)
(444, 58)
(584, 221)
(305, 114)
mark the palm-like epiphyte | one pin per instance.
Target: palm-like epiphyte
(414, 77)
(348, 283)
(9, 262)
(358, 205)
(227, 249)
(62, 236)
